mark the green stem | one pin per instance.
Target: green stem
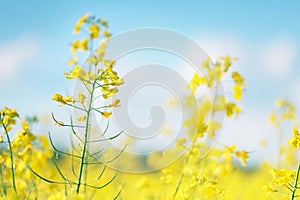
(83, 167)
(293, 195)
(2, 182)
(11, 159)
(182, 171)
(192, 147)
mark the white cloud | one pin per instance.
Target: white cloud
(14, 54)
(221, 45)
(249, 130)
(294, 93)
(278, 56)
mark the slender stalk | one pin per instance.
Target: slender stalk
(83, 167)
(192, 147)
(11, 159)
(182, 171)
(293, 195)
(2, 182)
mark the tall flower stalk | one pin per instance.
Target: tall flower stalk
(98, 81)
(7, 119)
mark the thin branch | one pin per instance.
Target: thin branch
(101, 173)
(59, 171)
(71, 105)
(86, 87)
(104, 185)
(118, 155)
(117, 196)
(288, 188)
(99, 176)
(105, 130)
(100, 107)
(93, 154)
(62, 124)
(45, 179)
(72, 167)
(59, 151)
(106, 139)
(71, 182)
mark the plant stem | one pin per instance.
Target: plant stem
(192, 147)
(11, 159)
(83, 168)
(182, 171)
(293, 195)
(2, 182)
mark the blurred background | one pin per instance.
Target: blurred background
(264, 35)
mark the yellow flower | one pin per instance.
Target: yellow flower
(83, 44)
(80, 22)
(106, 114)
(73, 61)
(273, 119)
(196, 81)
(269, 189)
(94, 59)
(243, 156)
(1, 139)
(25, 151)
(206, 63)
(94, 30)
(69, 99)
(81, 118)
(7, 117)
(231, 108)
(237, 92)
(213, 126)
(25, 125)
(109, 92)
(280, 102)
(282, 176)
(106, 33)
(77, 72)
(115, 103)
(59, 98)
(238, 79)
(80, 44)
(295, 140)
(227, 62)
(118, 82)
(81, 97)
(104, 22)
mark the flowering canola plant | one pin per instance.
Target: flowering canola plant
(32, 167)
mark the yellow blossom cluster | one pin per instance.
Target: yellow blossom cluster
(284, 179)
(295, 140)
(23, 150)
(8, 118)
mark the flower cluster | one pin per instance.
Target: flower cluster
(284, 180)
(17, 153)
(190, 176)
(98, 80)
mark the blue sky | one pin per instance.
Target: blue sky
(265, 35)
